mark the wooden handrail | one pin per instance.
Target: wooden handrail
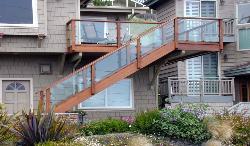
(161, 24)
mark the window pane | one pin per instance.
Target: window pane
(208, 9)
(244, 37)
(193, 8)
(97, 100)
(243, 13)
(16, 12)
(119, 94)
(210, 65)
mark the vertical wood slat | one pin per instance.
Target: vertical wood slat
(138, 52)
(93, 79)
(73, 34)
(176, 31)
(41, 101)
(118, 33)
(221, 33)
(48, 100)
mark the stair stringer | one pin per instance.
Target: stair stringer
(128, 70)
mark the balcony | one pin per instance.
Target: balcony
(107, 36)
(229, 30)
(207, 90)
(102, 36)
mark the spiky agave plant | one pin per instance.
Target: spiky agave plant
(32, 129)
(5, 125)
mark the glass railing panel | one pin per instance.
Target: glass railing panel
(76, 83)
(168, 32)
(115, 61)
(198, 30)
(93, 32)
(132, 30)
(151, 41)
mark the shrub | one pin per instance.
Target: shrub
(105, 126)
(5, 123)
(32, 129)
(241, 128)
(176, 123)
(144, 122)
(59, 143)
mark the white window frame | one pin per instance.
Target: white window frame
(106, 107)
(240, 26)
(35, 18)
(216, 5)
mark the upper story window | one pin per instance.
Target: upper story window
(243, 25)
(200, 8)
(18, 13)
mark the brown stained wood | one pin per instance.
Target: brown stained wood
(41, 101)
(73, 33)
(198, 47)
(93, 79)
(48, 101)
(176, 32)
(118, 33)
(119, 75)
(221, 34)
(94, 48)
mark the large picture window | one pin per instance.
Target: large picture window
(243, 22)
(118, 95)
(18, 13)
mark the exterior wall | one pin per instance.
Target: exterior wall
(53, 16)
(166, 11)
(144, 98)
(27, 66)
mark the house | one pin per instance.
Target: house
(72, 55)
(220, 79)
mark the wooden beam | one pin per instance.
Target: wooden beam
(94, 48)
(213, 47)
(115, 77)
(221, 34)
(118, 33)
(73, 34)
(48, 100)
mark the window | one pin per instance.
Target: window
(200, 8)
(15, 86)
(243, 22)
(18, 13)
(118, 95)
(244, 13)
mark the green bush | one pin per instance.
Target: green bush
(179, 124)
(5, 125)
(105, 126)
(144, 122)
(102, 3)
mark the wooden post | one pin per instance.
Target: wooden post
(48, 100)
(138, 52)
(221, 33)
(118, 37)
(176, 32)
(93, 79)
(41, 101)
(73, 34)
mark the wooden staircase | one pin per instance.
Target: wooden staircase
(201, 35)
